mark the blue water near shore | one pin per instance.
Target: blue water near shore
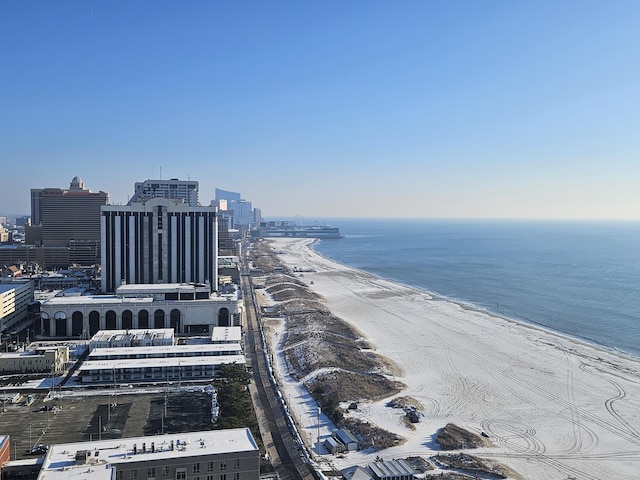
(578, 278)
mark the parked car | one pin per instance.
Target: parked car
(39, 449)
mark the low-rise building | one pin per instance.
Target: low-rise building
(166, 351)
(185, 308)
(347, 438)
(392, 470)
(41, 360)
(226, 335)
(144, 370)
(217, 454)
(138, 356)
(334, 446)
(382, 470)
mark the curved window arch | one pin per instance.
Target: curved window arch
(61, 327)
(223, 317)
(158, 319)
(174, 320)
(127, 320)
(143, 319)
(94, 322)
(110, 320)
(77, 324)
(60, 316)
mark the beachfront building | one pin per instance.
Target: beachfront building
(166, 351)
(382, 470)
(187, 190)
(346, 438)
(159, 241)
(135, 356)
(194, 363)
(51, 359)
(213, 454)
(184, 308)
(15, 298)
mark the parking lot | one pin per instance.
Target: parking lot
(83, 416)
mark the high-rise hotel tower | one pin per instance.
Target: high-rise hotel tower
(66, 222)
(159, 240)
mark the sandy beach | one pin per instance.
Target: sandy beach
(554, 407)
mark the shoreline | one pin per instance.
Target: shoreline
(553, 405)
(467, 305)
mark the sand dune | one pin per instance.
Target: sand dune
(554, 407)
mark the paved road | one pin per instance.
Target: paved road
(284, 451)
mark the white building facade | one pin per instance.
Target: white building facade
(184, 308)
(158, 241)
(187, 190)
(15, 298)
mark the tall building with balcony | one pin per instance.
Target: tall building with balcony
(159, 240)
(187, 190)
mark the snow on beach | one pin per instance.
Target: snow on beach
(554, 407)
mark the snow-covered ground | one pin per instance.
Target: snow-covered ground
(554, 407)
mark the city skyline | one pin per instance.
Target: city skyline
(330, 109)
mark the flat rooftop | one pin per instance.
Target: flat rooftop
(128, 363)
(80, 413)
(226, 334)
(130, 288)
(60, 462)
(199, 348)
(96, 300)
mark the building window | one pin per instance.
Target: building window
(223, 476)
(134, 474)
(210, 467)
(119, 475)
(181, 474)
(151, 472)
(196, 468)
(223, 464)
(236, 476)
(236, 464)
(165, 471)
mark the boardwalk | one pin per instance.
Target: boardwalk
(286, 454)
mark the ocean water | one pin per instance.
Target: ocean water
(578, 278)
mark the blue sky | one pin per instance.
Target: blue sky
(329, 108)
